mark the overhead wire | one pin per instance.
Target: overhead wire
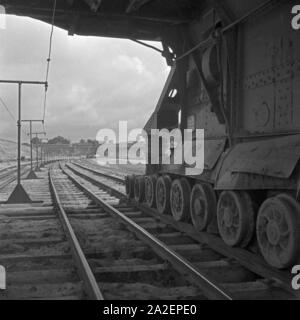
(10, 113)
(47, 72)
(49, 60)
(7, 109)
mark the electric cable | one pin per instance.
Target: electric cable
(49, 59)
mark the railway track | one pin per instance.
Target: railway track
(119, 171)
(34, 249)
(142, 265)
(9, 175)
(5, 169)
(84, 242)
(262, 280)
(59, 252)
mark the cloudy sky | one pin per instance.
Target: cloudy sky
(94, 82)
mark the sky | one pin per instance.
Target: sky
(93, 83)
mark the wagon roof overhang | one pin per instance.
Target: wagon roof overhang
(136, 19)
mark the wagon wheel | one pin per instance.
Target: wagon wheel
(180, 199)
(203, 206)
(129, 186)
(150, 187)
(162, 193)
(139, 189)
(277, 229)
(236, 218)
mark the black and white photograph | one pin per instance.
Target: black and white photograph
(149, 153)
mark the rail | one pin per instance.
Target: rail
(84, 270)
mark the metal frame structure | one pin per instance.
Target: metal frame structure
(37, 134)
(19, 195)
(32, 174)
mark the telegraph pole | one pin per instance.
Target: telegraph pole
(43, 154)
(19, 195)
(37, 134)
(32, 175)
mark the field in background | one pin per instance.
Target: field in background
(8, 152)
